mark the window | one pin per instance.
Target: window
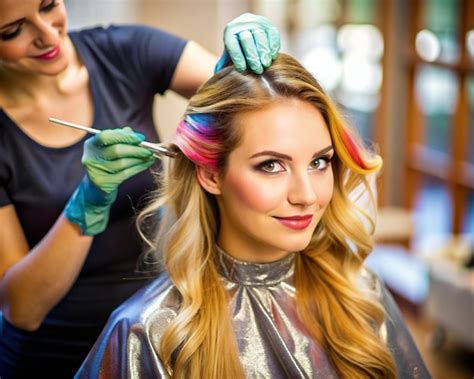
(439, 168)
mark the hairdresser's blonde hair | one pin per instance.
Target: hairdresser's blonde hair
(200, 342)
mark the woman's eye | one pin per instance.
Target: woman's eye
(48, 5)
(320, 163)
(271, 167)
(11, 34)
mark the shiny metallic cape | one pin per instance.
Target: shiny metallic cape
(271, 340)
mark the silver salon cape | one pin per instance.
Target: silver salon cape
(271, 340)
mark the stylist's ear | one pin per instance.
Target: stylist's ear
(209, 180)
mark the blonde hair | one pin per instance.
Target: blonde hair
(199, 342)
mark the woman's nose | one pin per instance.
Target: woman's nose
(47, 34)
(302, 189)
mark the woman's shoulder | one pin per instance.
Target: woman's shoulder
(131, 338)
(156, 300)
(146, 313)
(129, 34)
(139, 57)
(369, 282)
(374, 288)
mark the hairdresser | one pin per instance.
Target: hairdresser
(68, 246)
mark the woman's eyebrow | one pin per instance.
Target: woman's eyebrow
(276, 154)
(325, 150)
(272, 154)
(19, 20)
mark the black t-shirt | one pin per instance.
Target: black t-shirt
(127, 66)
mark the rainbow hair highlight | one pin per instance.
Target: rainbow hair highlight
(199, 140)
(351, 152)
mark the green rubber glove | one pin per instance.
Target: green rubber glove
(110, 157)
(251, 42)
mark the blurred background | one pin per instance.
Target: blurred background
(402, 71)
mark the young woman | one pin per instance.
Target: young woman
(61, 274)
(262, 246)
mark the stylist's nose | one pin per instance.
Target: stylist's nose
(47, 34)
(302, 189)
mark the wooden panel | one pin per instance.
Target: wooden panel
(453, 168)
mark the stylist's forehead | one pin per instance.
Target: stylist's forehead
(14, 10)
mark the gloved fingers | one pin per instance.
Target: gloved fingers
(252, 43)
(263, 47)
(248, 21)
(232, 46)
(119, 165)
(273, 36)
(121, 150)
(133, 170)
(120, 135)
(250, 51)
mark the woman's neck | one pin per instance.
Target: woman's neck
(251, 253)
(254, 274)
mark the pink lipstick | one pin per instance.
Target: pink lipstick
(296, 222)
(51, 54)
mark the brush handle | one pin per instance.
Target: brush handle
(155, 147)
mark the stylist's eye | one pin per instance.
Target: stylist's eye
(10, 34)
(47, 5)
(271, 167)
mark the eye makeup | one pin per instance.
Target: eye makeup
(275, 166)
(48, 7)
(5, 36)
(270, 166)
(9, 35)
(326, 161)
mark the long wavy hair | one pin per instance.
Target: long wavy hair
(344, 320)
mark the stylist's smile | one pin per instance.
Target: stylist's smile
(51, 54)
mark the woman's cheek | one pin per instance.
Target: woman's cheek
(256, 193)
(12, 51)
(61, 15)
(326, 190)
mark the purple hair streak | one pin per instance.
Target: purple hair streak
(198, 138)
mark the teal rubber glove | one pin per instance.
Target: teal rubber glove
(110, 157)
(251, 42)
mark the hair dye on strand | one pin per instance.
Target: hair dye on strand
(198, 141)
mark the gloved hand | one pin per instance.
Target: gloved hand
(110, 157)
(251, 41)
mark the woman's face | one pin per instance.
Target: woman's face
(278, 182)
(32, 36)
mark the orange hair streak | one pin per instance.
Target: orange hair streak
(352, 155)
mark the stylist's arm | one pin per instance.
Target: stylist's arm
(34, 284)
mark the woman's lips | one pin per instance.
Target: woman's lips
(51, 54)
(296, 222)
